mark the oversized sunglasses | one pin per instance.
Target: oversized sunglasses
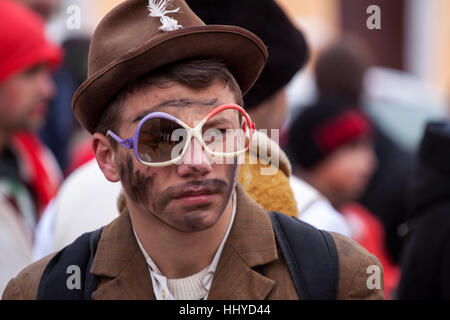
(162, 139)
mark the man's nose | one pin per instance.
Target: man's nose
(195, 161)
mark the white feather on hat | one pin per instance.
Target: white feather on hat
(157, 9)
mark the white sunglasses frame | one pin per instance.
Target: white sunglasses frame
(196, 132)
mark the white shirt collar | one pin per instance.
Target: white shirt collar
(159, 281)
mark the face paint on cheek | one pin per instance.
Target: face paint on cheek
(136, 184)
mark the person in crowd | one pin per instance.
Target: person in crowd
(61, 132)
(29, 175)
(331, 147)
(426, 258)
(287, 55)
(339, 73)
(275, 192)
(188, 230)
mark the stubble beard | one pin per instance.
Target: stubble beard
(137, 186)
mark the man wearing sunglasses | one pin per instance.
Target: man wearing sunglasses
(163, 101)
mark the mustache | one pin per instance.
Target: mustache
(209, 186)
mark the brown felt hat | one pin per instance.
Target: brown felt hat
(131, 40)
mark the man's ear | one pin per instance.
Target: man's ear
(104, 154)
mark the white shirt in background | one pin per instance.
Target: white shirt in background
(316, 210)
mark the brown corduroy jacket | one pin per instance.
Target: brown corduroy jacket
(123, 273)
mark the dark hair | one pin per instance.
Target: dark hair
(340, 69)
(196, 74)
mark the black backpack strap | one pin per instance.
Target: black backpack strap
(310, 255)
(80, 254)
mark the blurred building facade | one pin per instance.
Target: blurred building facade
(414, 35)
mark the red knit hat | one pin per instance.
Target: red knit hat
(22, 40)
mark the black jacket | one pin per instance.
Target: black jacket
(385, 195)
(426, 257)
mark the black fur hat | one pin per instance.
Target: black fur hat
(288, 51)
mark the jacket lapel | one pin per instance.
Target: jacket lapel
(251, 243)
(120, 264)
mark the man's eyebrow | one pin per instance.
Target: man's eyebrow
(185, 103)
(175, 103)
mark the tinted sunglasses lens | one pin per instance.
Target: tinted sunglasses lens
(226, 132)
(160, 140)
